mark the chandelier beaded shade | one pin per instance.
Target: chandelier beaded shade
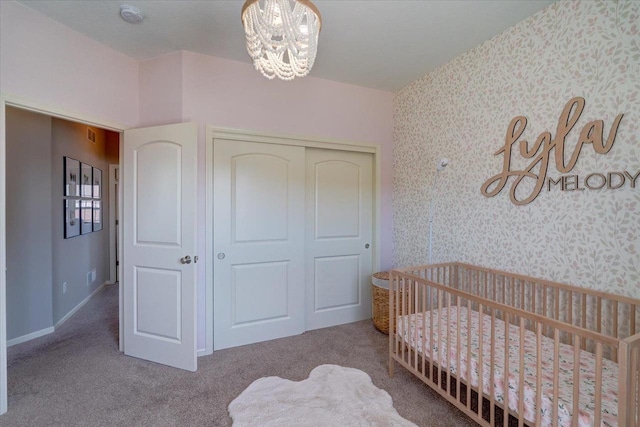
(282, 36)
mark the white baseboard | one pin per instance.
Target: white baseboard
(31, 336)
(79, 306)
(203, 352)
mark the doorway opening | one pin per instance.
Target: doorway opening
(59, 207)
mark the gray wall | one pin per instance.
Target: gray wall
(29, 271)
(74, 258)
(39, 259)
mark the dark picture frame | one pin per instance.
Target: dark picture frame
(86, 216)
(97, 215)
(86, 180)
(71, 218)
(71, 177)
(97, 183)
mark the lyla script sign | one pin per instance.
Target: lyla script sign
(540, 154)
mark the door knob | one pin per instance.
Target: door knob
(221, 255)
(366, 246)
(195, 259)
(185, 260)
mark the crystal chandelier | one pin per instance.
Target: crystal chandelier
(282, 36)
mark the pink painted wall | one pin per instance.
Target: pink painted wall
(160, 89)
(45, 62)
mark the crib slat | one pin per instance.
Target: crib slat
(426, 290)
(448, 367)
(576, 381)
(634, 382)
(439, 338)
(507, 323)
(469, 354)
(492, 389)
(393, 311)
(431, 346)
(544, 304)
(583, 345)
(392, 290)
(512, 288)
(556, 372)
(455, 276)
(493, 286)
(570, 317)
(480, 361)
(598, 397)
(504, 290)
(521, 379)
(408, 309)
(538, 417)
(405, 326)
(614, 350)
(557, 304)
(632, 308)
(598, 314)
(532, 303)
(415, 325)
(458, 356)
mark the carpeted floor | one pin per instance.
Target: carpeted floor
(77, 377)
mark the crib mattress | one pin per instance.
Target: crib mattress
(437, 352)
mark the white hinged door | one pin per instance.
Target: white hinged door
(159, 243)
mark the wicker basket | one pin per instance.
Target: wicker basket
(380, 298)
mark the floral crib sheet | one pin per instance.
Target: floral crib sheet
(437, 352)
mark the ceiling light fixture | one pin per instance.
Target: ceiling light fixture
(282, 36)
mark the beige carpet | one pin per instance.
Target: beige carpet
(77, 377)
(332, 396)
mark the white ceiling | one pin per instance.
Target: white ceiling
(378, 44)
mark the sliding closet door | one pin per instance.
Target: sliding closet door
(258, 242)
(338, 237)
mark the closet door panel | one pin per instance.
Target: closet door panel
(258, 242)
(339, 205)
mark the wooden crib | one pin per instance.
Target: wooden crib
(502, 347)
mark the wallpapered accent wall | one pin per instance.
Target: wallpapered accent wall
(461, 111)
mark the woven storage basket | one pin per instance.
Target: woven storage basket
(380, 297)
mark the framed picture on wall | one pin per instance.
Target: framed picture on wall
(86, 216)
(86, 180)
(71, 177)
(97, 215)
(71, 218)
(97, 183)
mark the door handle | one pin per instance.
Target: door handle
(195, 259)
(185, 260)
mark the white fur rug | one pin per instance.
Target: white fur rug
(331, 396)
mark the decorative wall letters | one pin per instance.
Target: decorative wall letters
(540, 153)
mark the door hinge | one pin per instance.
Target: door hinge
(117, 222)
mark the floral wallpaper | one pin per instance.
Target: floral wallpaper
(461, 111)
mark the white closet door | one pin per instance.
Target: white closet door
(338, 237)
(258, 242)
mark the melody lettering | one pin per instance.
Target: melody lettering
(540, 152)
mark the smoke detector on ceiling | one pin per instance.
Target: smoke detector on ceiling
(131, 14)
